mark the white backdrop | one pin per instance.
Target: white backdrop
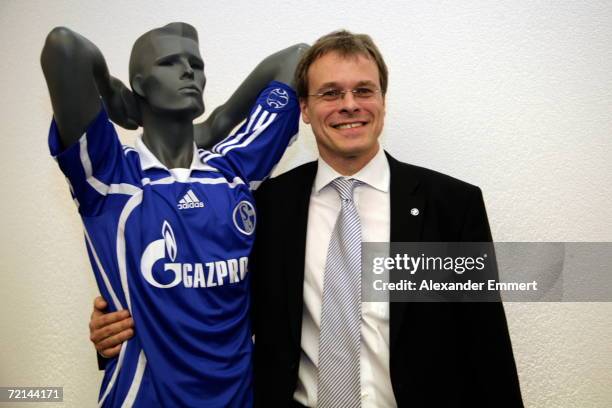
(513, 96)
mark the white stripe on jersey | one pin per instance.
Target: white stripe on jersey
(202, 153)
(107, 283)
(235, 182)
(207, 155)
(100, 187)
(254, 135)
(76, 202)
(220, 180)
(130, 398)
(114, 189)
(236, 138)
(86, 163)
(123, 188)
(132, 203)
(261, 120)
(111, 382)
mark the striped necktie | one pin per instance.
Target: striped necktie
(339, 382)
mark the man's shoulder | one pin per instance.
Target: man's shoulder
(295, 178)
(282, 196)
(430, 182)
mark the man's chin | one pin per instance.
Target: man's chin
(350, 151)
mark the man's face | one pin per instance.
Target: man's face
(348, 127)
(174, 81)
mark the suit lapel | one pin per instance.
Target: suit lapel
(297, 215)
(405, 227)
(405, 197)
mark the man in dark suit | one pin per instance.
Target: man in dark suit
(412, 354)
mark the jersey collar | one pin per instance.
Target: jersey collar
(149, 161)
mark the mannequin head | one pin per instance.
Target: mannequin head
(167, 71)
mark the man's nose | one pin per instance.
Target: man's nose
(348, 102)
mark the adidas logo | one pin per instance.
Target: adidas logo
(189, 200)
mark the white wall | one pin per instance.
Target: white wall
(513, 96)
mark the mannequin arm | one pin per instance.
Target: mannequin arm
(279, 66)
(77, 76)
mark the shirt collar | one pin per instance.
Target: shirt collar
(375, 173)
(149, 161)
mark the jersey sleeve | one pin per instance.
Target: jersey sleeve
(91, 164)
(254, 150)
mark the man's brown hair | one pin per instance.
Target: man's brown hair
(346, 44)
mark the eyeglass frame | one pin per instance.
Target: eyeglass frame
(343, 92)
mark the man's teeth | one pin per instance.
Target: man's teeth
(349, 125)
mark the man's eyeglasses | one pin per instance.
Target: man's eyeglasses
(333, 94)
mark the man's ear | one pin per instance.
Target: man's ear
(304, 109)
(137, 85)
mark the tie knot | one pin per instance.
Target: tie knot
(345, 187)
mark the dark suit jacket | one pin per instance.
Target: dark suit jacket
(441, 354)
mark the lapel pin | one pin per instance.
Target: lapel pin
(414, 211)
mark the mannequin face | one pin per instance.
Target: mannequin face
(173, 80)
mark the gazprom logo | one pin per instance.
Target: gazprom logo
(277, 98)
(190, 275)
(157, 250)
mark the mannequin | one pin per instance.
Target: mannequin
(79, 81)
(169, 227)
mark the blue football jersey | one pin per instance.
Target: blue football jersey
(172, 246)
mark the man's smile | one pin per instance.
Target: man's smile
(348, 125)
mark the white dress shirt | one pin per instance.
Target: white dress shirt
(373, 204)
